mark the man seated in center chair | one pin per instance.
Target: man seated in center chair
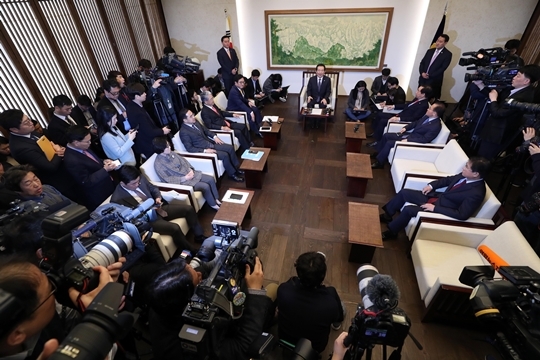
(238, 101)
(463, 196)
(422, 131)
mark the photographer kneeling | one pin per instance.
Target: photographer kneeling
(172, 289)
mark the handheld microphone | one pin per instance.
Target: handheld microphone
(383, 292)
(356, 127)
(491, 256)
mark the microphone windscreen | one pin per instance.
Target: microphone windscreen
(491, 256)
(383, 291)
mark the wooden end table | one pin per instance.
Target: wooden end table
(254, 169)
(306, 113)
(271, 137)
(234, 212)
(353, 140)
(364, 232)
(358, 173)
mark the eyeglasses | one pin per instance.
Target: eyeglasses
(114, 93)
(53, 291)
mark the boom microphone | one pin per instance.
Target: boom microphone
(383, 292)
(491, 256)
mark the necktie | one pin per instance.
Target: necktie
(90, 156)
(414, 102)
(228, 53)
(458, 184)
(435, 54)
(34, 137)
(141, 194)
(70, 121)
(319, 85)
(425, 121)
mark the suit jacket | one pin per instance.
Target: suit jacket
(57, 131)
(504, 122)
(211, 119)
(377, 86)
(227, 64)
(120, 118)
(250, 90)
(94, 181)
(26, 151)
(122, 197)
(460, 203)
(423, 133)
(196, 140)
(440, 64)
(78, 115)
(413, 111)
(148, 129)
(396, 96)
(313, 88)
(237, 101)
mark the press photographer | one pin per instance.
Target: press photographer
(179, 284)
(502, 126)
(28, 314)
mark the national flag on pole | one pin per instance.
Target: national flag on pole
(228, 29)
(440, 29)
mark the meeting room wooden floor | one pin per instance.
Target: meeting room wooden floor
(303, 207)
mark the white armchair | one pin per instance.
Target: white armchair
(441, 139)
(425, 160)
(221, 102)
(439, 253)
(207, 163)
(195, 198)
(302, 97)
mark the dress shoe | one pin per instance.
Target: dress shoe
(374, 155)
(251, 144)
(240, 172)
(385, 218)
(215, 207)
(282, 99)
(370, 135)
(371, 144)
(260, 135)
(388, 235)
(377, 165)
(237, 178)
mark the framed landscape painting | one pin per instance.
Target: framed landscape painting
(344, 39)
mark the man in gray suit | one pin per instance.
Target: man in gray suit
(197, 138)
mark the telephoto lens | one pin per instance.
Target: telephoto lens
(109, 250)
(364, 274)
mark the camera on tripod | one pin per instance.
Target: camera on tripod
(509, 308)
(378, 321)
(179, 64)
(492, 67)
(68, 256)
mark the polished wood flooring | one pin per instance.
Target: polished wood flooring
(303, 207)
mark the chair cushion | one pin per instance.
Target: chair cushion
(433, 259)
(452, 158)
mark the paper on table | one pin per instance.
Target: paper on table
(238, 197)
(316, 111)
(271, 118)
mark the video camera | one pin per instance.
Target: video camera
(218, 299)
(378, 320)
(179, 64)
(69, 255)
(509, 308)
(494, 67)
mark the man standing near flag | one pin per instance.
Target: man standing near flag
(229, 62)
(433, 65)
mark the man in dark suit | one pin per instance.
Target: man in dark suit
(197, 138)
(253, 88)
(501, 129)
(141, 120)
(228, 60)
(25, 150)
(238, 101)
(422, 131)
(319, 88)
(395, 93)
(61, 120)
(214, 118)
(112, 91)
(411, 112)
(434, 64)
(464, 194)
(84, 113)
(87, 169)
(134, 189)
(379, 86)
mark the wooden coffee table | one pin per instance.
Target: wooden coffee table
(364, 232)
(306, 113)
(353, 140)
(358, 173)
(233, 212)
(271, 137)
(254, 169)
